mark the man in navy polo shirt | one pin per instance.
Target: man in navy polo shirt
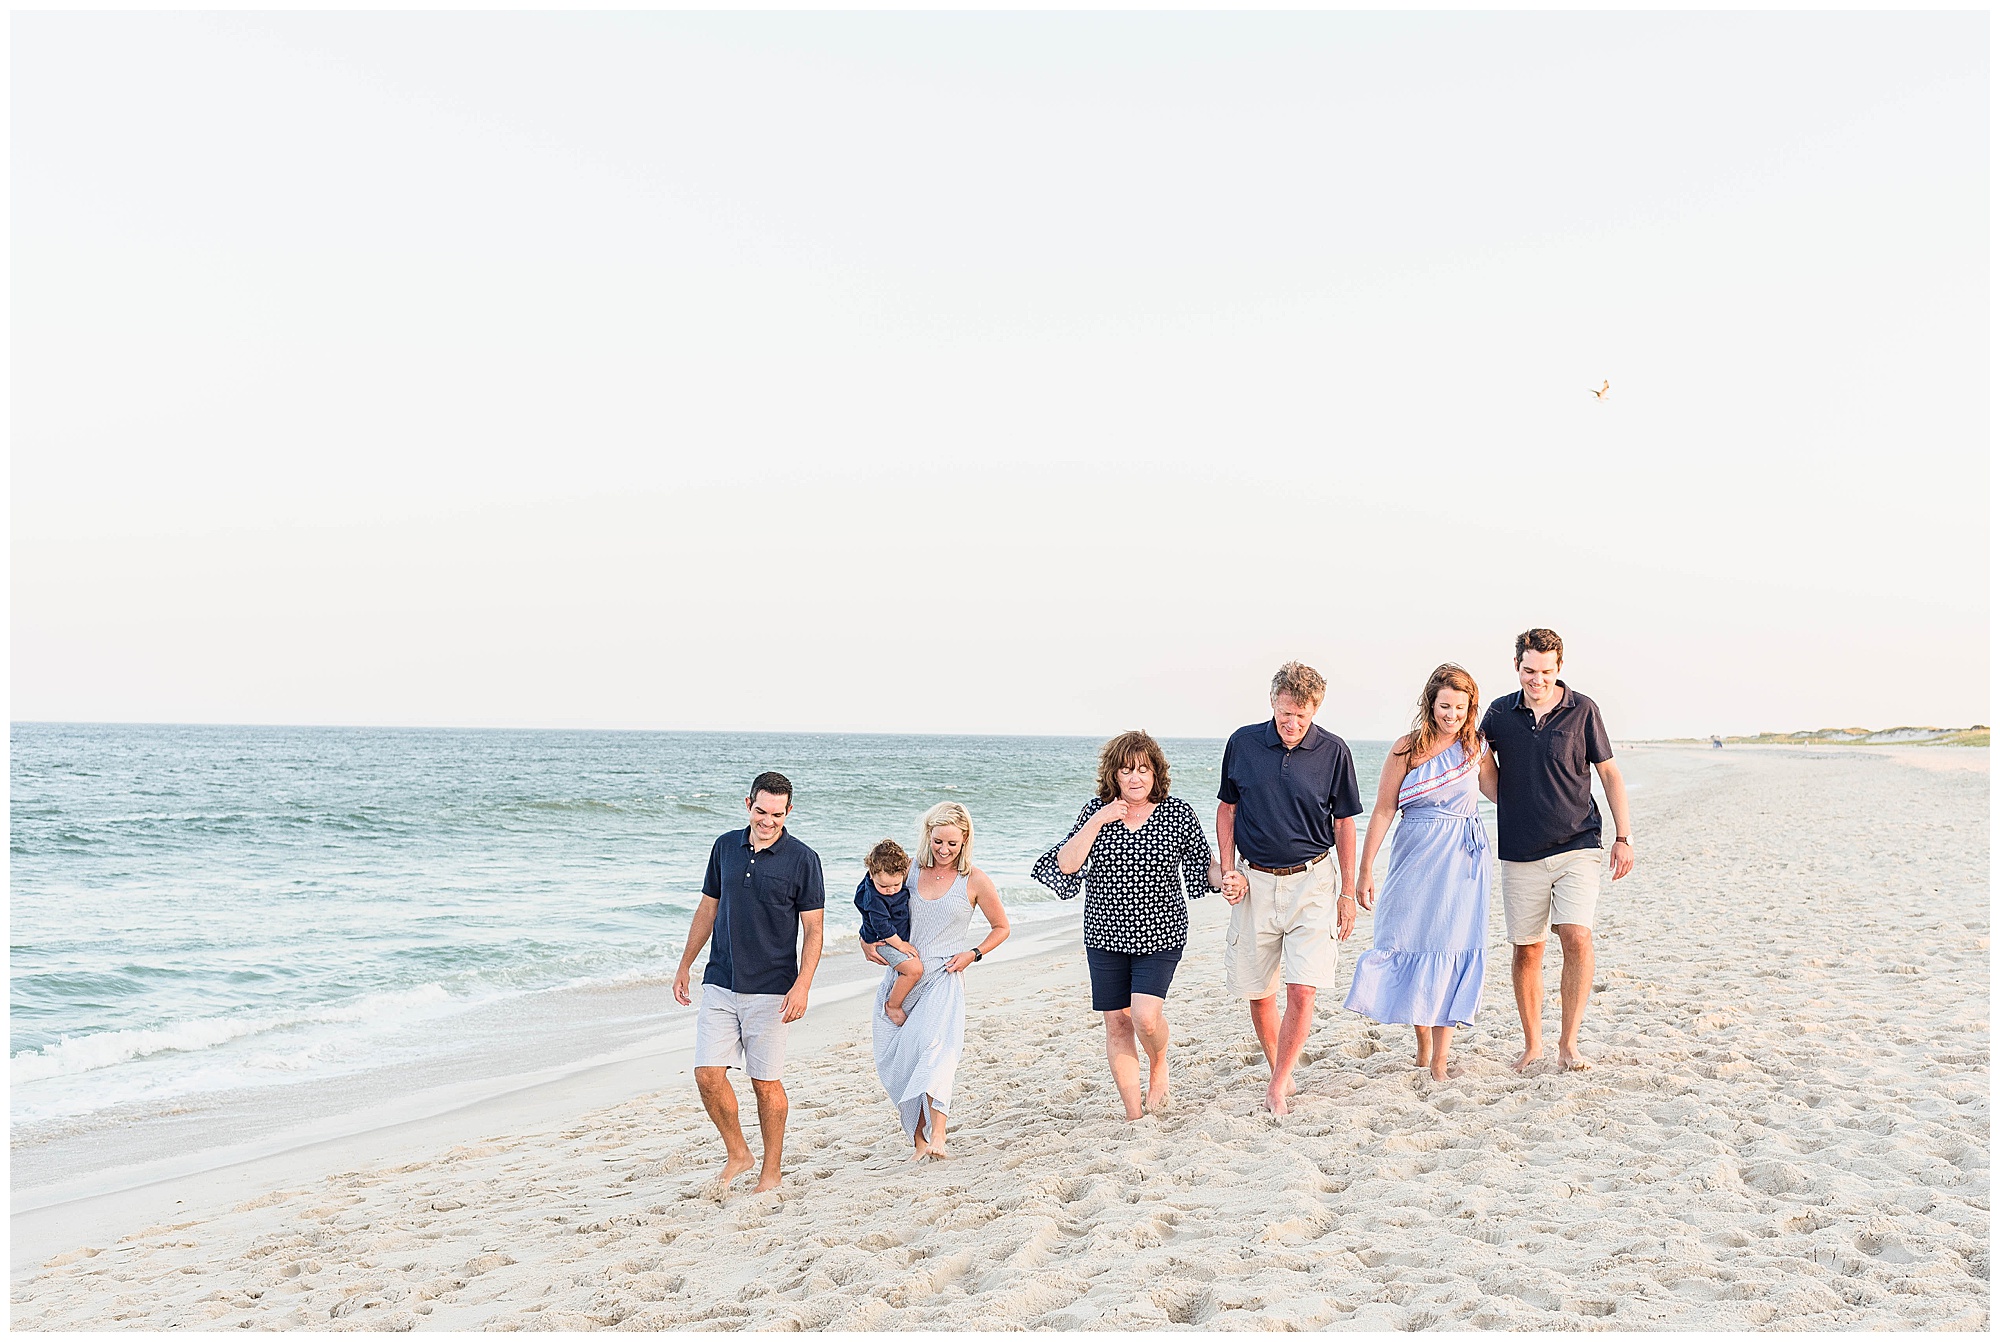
(1287, 797)
(762, 887)
(1542, 742)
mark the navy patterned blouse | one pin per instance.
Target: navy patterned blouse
(1132, 879)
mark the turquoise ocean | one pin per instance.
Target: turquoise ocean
(211, 920)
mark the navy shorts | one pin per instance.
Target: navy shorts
(1115, 976)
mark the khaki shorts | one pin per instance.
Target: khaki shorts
(744, 1030)
(1559, 889)
(1284, 926)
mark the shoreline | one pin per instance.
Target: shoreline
(67, 1213)
(1786, 1126)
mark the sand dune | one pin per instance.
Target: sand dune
(1787, 1128)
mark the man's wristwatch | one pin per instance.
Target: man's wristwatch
(1625, 839)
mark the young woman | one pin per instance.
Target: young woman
(1429, 958)
(918, 1061)
(1132, 850)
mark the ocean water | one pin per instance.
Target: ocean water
(199, 912)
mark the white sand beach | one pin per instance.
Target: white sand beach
(1786, 1127)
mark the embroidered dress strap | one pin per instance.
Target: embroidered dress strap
(1435, 774)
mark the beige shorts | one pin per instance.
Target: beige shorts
(1284, 926)
(1559, 889)
(744, 1030)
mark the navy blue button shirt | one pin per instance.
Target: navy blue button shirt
(1287, 800)
(1545, 802)
(883, 916)
(755, 945)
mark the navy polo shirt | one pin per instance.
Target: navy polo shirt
(1545, 802)
(755, 945)
(1287, 800)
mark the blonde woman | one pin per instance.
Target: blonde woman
(918, 1061)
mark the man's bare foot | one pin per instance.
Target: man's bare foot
(768, 1182)
(1572, 1060)
(733, 1169)
(896, 1015)
(1274, 1098)
(1529, 1057)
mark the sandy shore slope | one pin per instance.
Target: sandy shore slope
(1787, 1128)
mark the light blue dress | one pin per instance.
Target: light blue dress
(919, 1058)
(1428, 962)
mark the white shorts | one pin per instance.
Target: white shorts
(744, 1030)
(1559, 889)
(1285, 926)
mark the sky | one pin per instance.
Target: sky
(1016, 373)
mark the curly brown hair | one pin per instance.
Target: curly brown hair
(887, 858)
(1129, 748)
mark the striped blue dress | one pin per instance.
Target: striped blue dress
(1428, 962)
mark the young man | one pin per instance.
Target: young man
(1543, 741)
(1287, 796)
(762, 887)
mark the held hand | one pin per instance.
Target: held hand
(681, 988)
(1235, 885)
(868, 950)
(1345, 912)
(1621, 860)
(1112, 810)
(1364, 891)
(795, 1004)
(958, 962)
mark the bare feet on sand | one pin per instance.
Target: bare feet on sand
(733, 1169)
(1439, 1072)
(1158, 1099)
(1274, 1101)
(1572, 1060)
(1157, 1094)
(896, 1015)
(768, 1182)
(1529, 1057)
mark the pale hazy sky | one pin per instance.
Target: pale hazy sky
(1015, 373)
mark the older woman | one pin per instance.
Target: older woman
(1133, 848)
(918, 1061)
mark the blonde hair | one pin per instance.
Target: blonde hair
(960, 819)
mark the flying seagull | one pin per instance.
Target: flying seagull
(1598, 392)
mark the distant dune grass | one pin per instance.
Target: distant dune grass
(1976, 735)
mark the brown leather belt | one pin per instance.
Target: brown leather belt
(1287, 871)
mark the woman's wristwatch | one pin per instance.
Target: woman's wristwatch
(977, 955)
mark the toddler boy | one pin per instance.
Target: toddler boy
(885, 921)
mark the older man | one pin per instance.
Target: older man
(762, 888)
(1543, 741)
(1287, 798)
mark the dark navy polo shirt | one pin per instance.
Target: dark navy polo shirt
(755, 945)
(1287, 800)
(1545, 802)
